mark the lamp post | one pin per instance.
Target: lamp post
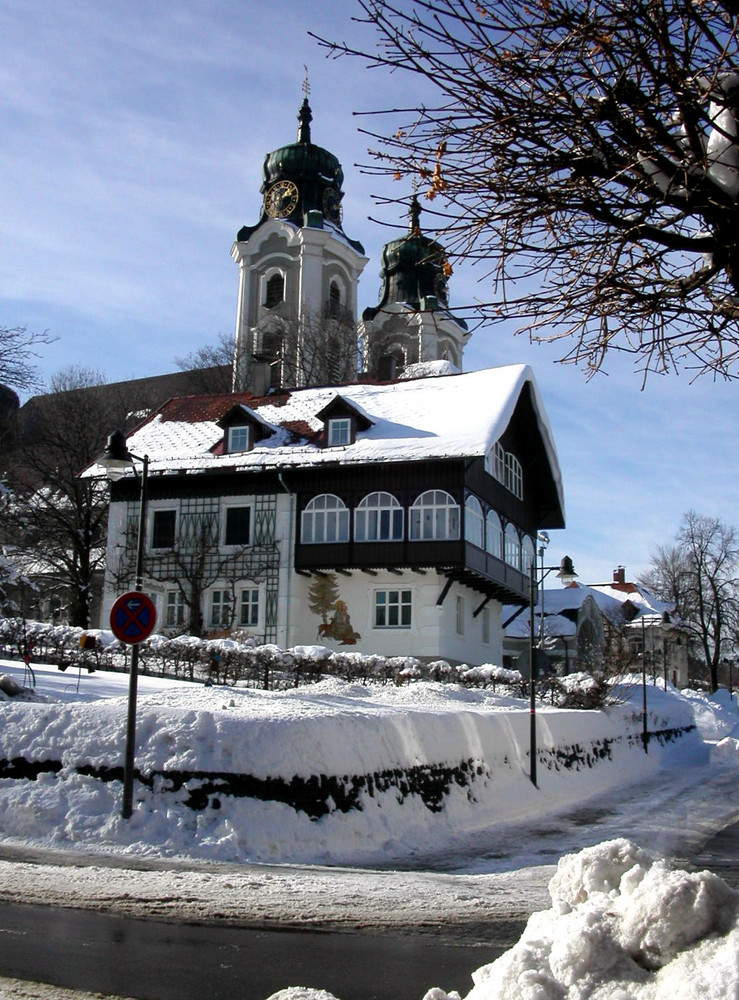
(542, 538)
(645, 734)
(566, 573)
(116, 460)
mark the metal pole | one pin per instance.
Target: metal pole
(128, 763)
(645, 734)
(532, 673)
(541, 600)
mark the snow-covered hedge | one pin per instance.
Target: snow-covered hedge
(241, 660)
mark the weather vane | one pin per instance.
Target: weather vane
(306, 84)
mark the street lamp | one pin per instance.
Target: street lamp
(117, 459)
(542, 538)
(645, 733)
(566, 573)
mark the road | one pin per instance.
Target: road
(164, 961)
(124, 955)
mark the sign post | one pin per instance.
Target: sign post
(132, 619)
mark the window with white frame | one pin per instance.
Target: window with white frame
(460, 615)
(474, 526)
(221, 608)
(238, 438)
(512, 547)
(495, 462)
(174, 609)
(485, 625)
(528, 555)
(434, 517)
(393, 608)
(339, 431)
(378, 518)
(325, 519)
(163, 528)
(506, 468)
(493, 535)
(237, 525)
(249, 607)
(513, 475)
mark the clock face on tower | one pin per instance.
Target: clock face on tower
(280, 200)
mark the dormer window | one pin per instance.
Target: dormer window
(342, 419)
(238, 439)
(339, 432)
(243, 428)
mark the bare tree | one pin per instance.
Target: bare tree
(586, 154)
(701, 574)
(57, 520)
(18, 352)
(211, 367)
(317, 349)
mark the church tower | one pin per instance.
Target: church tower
(412, 323)
(296, 316)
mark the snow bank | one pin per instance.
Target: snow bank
(716, 715)
(624, 925)
(337, 772)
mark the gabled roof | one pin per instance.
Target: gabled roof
(562, 605)
(454, 416)
(343, 406)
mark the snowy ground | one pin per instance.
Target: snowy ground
(489, 855)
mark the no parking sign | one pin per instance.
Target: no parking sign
(133, 617)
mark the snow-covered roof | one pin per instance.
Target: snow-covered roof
(557, 602)
(453, 416)
(643, 600)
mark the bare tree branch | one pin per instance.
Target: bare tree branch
(586, 155)
(18, 352)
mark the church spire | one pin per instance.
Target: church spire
(414, 215)
(305, 115)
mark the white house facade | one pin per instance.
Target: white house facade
(390, 518)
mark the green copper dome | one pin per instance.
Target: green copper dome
(301, 180)
(414, 270)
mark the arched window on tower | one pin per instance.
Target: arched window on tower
(272, 355)
(334, 300)
(275, 290)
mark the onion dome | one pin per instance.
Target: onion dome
(415, 270)
(300, 179)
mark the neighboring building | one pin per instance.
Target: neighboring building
(611, 624)
(572, 625)
(296, 321)
(395, 519)
(652, 628)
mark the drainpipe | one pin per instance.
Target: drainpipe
(289, 555)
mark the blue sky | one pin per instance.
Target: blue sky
(133, 136)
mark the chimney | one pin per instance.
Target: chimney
(619, 575)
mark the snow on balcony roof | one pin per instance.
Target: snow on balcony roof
(452, 416)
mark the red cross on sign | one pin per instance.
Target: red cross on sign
(132, 617)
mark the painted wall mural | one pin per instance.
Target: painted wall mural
(324, 600)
